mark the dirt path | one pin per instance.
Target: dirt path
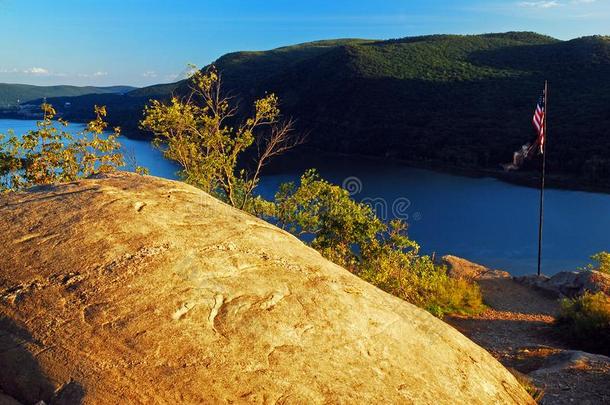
(518, 316)
(518, 330)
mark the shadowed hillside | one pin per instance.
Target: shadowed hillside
(445, 101)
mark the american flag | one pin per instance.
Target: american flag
(527, 151)
(538, 120)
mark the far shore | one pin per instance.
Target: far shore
(522, 178)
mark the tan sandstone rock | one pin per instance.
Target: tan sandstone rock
(462, 268)
(129, 289)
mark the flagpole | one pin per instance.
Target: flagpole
(543, 170)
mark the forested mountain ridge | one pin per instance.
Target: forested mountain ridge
(15, 94)
(440, 100)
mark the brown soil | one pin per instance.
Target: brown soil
(518, 330)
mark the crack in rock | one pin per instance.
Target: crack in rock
(218, 301)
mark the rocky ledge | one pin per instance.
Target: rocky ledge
(564, 284)
(569, 283)
(518, 328)
(130, 289)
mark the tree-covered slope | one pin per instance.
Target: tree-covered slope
(442, 100)
(453, 100)
(15, 94)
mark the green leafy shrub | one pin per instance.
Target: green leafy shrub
(585, 320)
(350, 234)
(342, 229)
(421, 282)
(603, 262)
(49, 154)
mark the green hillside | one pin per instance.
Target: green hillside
(446, 101)
(15, 94)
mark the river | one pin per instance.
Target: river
(482, 219)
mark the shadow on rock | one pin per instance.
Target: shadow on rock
(21, 377)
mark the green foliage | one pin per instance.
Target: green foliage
(419, 281)
(585, 320)
(50, 155)
(350, 234)
(141, 170)
(196, 133)
(603, 262)
(339, 227)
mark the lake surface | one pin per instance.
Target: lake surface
(481, 219)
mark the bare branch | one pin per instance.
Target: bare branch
(281, 139)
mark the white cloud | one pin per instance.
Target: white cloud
(540, 4)
(553, 3)
(149, 73)
(37, 71)
(95, 74)
(33, 71)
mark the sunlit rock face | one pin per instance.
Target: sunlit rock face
(131, 289)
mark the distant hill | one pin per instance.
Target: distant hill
(15, 94)
(448, 101)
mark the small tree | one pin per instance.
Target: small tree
(196, 132)
(49, 154)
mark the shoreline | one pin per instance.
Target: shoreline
(520, 178)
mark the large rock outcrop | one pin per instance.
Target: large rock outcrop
(129, 289)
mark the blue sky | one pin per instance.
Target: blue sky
(142, 42)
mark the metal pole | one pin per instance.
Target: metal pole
(546, 108)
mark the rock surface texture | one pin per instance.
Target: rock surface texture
(130, 289)
(458, 267)
(569, 283)
(574, 371)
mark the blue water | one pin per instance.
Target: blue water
(482, 219)
(136, 153)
